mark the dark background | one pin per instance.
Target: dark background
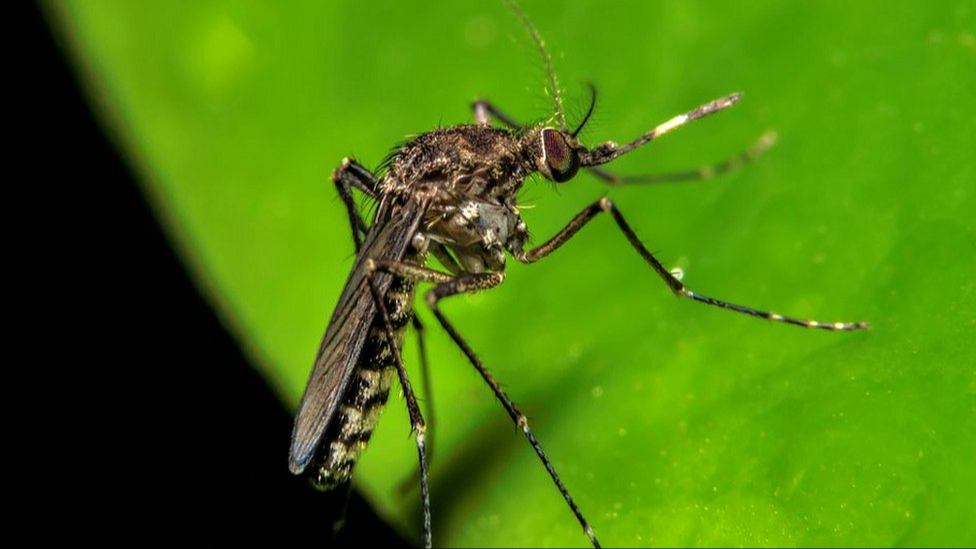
(191, 454)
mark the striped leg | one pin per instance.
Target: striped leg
(605, 205)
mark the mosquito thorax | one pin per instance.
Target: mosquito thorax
(473, 174)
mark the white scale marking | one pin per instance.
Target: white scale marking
(670, 124)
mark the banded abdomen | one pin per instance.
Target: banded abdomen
(368, 391)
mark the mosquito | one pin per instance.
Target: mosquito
(451, 194)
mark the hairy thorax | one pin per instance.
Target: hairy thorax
(472, 175)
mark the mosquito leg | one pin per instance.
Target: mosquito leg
(417, 425)
(484, 112)
(409, 271)
(474, 283)
(428, 391)
(447, 286)
(605, 205)
(763, 144)
(348, 175)
(418, 327)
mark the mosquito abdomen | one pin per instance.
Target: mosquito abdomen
(368, 392)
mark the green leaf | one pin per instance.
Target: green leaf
(670, 422)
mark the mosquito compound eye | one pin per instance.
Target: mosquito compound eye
(559, 156)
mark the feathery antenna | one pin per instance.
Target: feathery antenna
(541, 46)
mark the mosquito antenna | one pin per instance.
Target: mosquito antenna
(588, 111)
(541, 45)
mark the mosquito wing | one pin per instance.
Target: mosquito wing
(343, 341)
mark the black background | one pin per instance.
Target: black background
(182, 440)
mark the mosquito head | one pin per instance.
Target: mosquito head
(560, 152)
